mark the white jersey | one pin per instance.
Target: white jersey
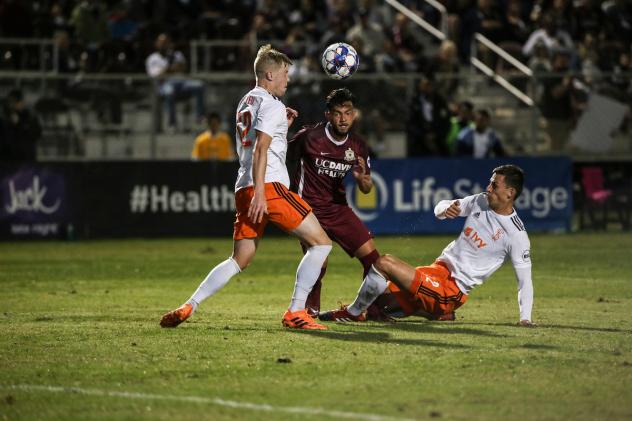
(486, 241)
(259, 110)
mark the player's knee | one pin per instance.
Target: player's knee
(326, 241)
(323, 249)
(321, 240)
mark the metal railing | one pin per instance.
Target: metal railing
(441, 33)
(45, 49)
(139, 134)
(502, 81)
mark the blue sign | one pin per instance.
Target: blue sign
(406, 191)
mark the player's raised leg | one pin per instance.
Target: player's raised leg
(374, 284)
(243, 252)
(318, 247)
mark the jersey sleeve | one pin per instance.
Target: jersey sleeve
(271, 114)
(520, 252)
(467, 204)
(520, 255)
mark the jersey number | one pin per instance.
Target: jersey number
(244, 121)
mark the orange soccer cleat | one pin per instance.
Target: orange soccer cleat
(177, 316)
(341, 315)
(300, 320)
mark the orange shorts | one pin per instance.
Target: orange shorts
(433, 291)
(285, 209)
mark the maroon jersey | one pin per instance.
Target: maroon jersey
(322, 164)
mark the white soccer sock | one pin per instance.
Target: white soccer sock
(373, 285)
(307, 274)
(214, 281)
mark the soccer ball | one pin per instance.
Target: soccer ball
(340, 60)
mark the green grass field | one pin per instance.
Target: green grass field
(80, 337)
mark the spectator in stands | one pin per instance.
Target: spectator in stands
(514, 32)
(587, 17)
(167, 66)
(409, 49)
(458, 122)
(480, 141)
(428, 121)
(20, 130)
(276, 18)
(618, 19)
(311, 16)
(89, 20)
(552, 37)
(445, 66)
(490, 21)
(213, 143)
(371, 34)
(336, 31)
(387, 60)
(103, 97)
(555, 103)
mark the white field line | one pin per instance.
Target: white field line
(204, 400)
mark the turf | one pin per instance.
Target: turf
(79, 337)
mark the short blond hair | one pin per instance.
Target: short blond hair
(268, 59)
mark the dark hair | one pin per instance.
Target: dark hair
(467, 104)
(484, 112)
(15, 95)
(514, 177)
(338, 97)
(213, 115)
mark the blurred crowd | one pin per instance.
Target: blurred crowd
(584, 42)
(117, 35)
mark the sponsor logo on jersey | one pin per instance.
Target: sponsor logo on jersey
(477, 215)
(526, 255)
(473, 238)
(331, 168)
(499, 233)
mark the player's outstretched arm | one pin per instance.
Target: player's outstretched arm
(449, 209)
(525, 295)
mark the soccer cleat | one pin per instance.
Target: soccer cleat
(312, 305)
(177, 316)
(341, 315)
(313, 313)
(300, 320)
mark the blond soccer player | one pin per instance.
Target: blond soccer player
(262, 195)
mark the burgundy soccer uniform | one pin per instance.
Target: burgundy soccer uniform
(323, 163)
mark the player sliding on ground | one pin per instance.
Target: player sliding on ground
(492, 232)
(262, 195)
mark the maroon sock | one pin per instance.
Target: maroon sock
(313, 299)
(368, 260)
